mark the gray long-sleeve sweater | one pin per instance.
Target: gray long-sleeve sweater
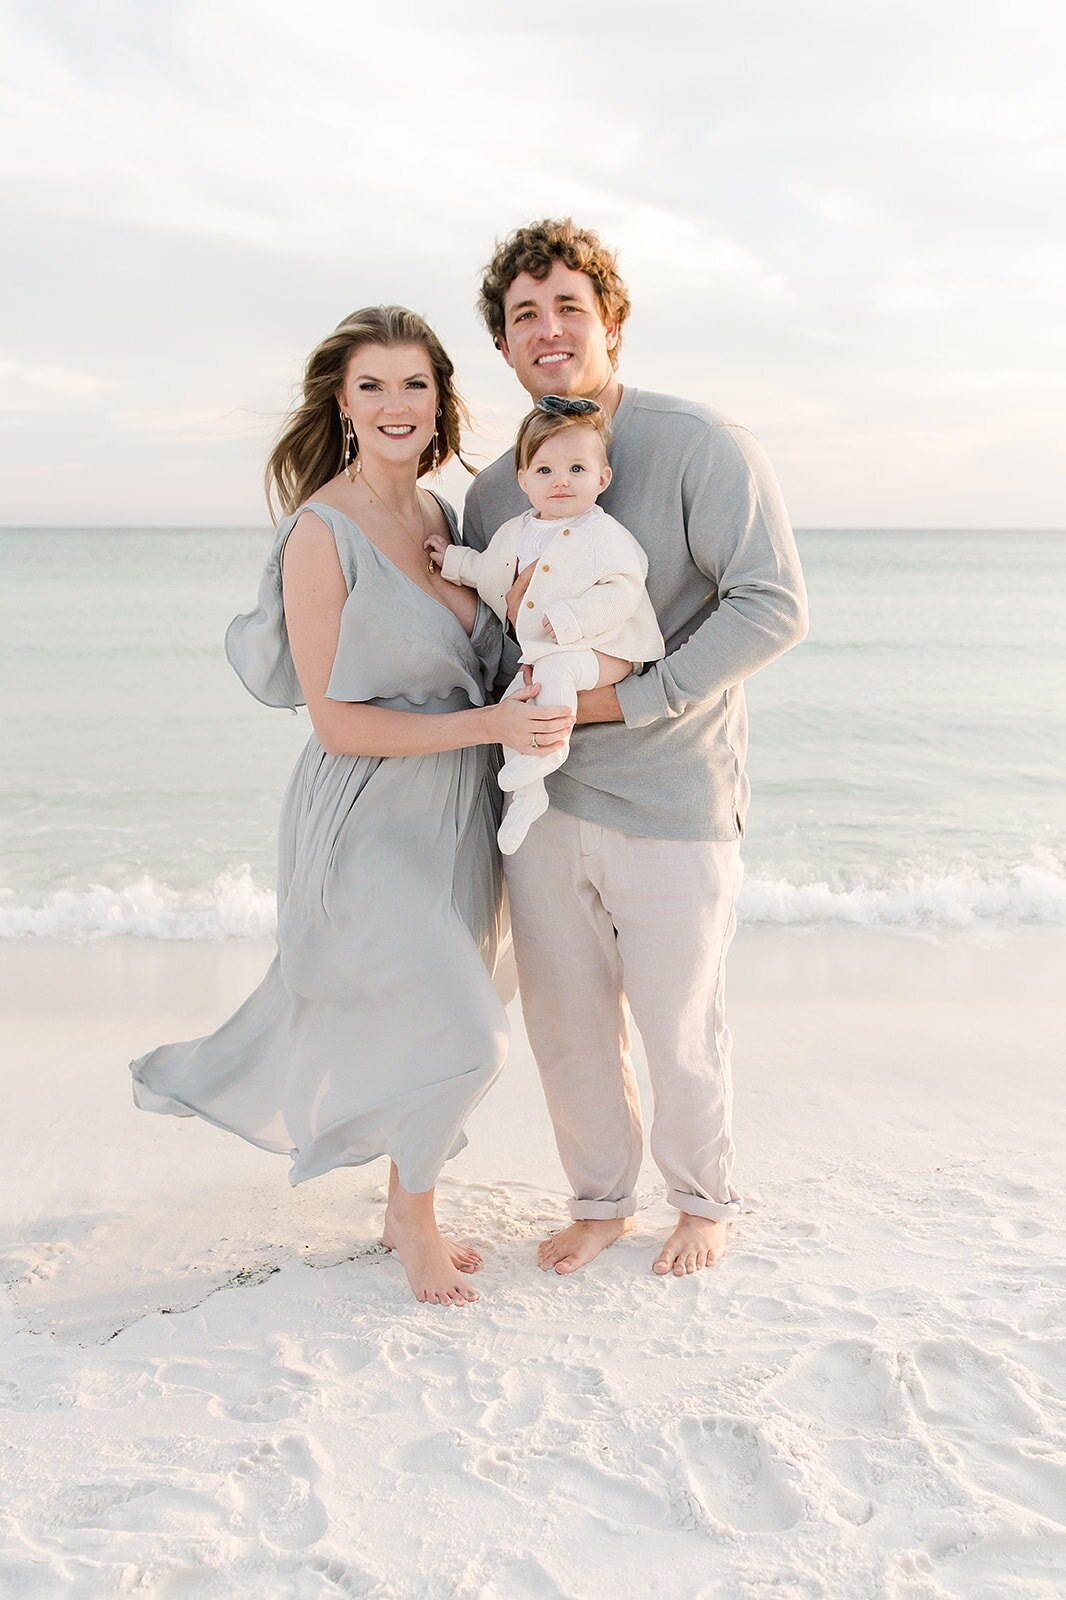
(724, 577)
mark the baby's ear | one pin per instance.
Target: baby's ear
(605, 476)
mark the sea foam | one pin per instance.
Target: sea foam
(235, 906)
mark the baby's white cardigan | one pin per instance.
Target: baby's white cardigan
(589, 583)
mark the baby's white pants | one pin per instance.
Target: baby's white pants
(561, 674)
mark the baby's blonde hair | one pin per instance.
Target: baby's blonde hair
(540, 424)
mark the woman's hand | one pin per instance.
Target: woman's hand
(517, 724)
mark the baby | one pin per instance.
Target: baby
(584, 617)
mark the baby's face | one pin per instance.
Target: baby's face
(568, 473)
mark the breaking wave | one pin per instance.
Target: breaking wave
(235, 906)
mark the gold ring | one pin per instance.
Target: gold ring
(533, 745)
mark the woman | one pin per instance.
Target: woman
(376, 1029)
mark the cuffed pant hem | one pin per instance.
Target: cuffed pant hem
(601, 1210)
(696, 1206)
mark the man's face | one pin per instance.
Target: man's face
(554, 335)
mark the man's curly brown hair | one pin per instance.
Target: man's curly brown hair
(534, 249)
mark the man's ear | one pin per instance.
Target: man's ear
(501, 345)
(612, 331)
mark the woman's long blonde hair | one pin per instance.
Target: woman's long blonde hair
(310, 449)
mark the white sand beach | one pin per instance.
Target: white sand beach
(215, 1385)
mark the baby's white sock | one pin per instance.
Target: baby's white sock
(523, 809)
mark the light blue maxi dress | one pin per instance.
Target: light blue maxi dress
(376, 1029)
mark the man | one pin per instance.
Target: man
(625, 889)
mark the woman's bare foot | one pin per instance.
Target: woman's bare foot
(696, 1242)
(581, 1243)
(464, 1256)
(411, 1231)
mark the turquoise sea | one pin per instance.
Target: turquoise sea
(908, 762)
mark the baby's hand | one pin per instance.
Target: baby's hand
(550, 630)
(437, 544)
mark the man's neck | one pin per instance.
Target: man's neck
(609, 395)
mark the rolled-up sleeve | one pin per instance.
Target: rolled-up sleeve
(461, 565)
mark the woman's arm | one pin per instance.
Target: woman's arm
(314, 593)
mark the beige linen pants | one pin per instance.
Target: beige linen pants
(600, 917)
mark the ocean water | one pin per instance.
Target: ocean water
(908, 762)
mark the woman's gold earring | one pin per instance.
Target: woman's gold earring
(352, 464)
(435, 462)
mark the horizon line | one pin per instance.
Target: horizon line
(260, 527)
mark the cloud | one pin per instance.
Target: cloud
(836, 222)
(38, 386)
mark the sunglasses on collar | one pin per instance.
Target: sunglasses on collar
(558, 405)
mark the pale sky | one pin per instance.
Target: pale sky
(842, 224)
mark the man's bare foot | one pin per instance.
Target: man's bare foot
(411, 1231)
(581, 1243)
(464, 1256)
(696, 1242)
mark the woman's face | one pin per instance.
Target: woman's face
(391, 396)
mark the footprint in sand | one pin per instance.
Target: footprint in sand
(574, 1483)
(345, 1579)
(546, 1389)
(273, 1490)
(145, 1505)
(338, 1358)
(1017, 1227)
(1046, 1358)
(274, 1403)
(753, 1264)
(957, 1382)
(733, 1477)
(262, 1393)
(440, 1452)
(501, 1465)
(446, 1392)
(977, 1409)
(1016, 1566)
(850, 1384)
(399, 1352)
(584, 1485)
(524, 1579)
